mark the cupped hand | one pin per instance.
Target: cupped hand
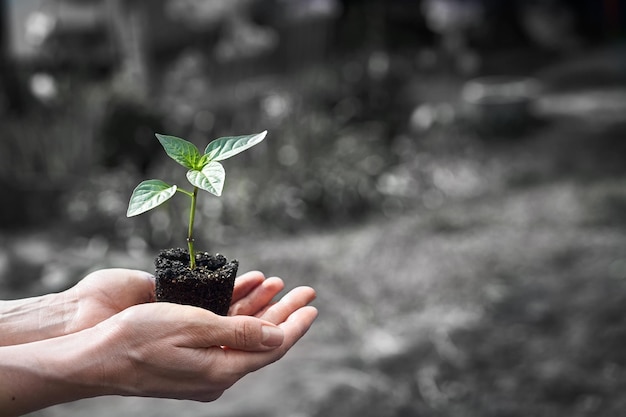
(173, 351)
(104, 293)
(104, 336)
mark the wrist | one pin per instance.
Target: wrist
(36, 318)
(53, 371)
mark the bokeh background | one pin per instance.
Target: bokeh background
(450, 175)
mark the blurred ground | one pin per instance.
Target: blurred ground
(502, 296)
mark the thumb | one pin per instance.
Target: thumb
(248, 333)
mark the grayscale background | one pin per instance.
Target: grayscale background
(450, 175)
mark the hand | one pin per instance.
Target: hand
(97, 297)
(104, 293)
(157, 350)
(172, 351)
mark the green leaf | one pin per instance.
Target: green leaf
(223, 148)
(181, 151)
(203, 161)
(148, 195)
(210, 178)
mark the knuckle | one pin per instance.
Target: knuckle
(235, 309)
(242, 335)
(246, 334)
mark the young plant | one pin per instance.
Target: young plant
(204, 173)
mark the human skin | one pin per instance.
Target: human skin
(95, 298)
(100, 342)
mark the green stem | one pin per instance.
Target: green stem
(187, 193)
(192, 217)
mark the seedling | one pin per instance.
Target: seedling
(205, 172)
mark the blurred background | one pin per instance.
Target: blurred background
(450, 175)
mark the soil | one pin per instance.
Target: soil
(209, 285)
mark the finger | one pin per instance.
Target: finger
(258, 298)
(261, 312)
(246, 283)
(294, 327)
(292, 301)
(239, 332)
(140, 283)
(297, 324)
(145, 284)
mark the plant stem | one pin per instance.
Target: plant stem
(192, 217)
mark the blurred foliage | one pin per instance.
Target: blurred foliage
(81, 154)
(350, 120)
(44, 152)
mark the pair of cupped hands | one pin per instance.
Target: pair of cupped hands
(116, 341)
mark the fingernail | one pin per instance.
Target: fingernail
(272, 336)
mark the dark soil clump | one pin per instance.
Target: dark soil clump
(209, 285)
